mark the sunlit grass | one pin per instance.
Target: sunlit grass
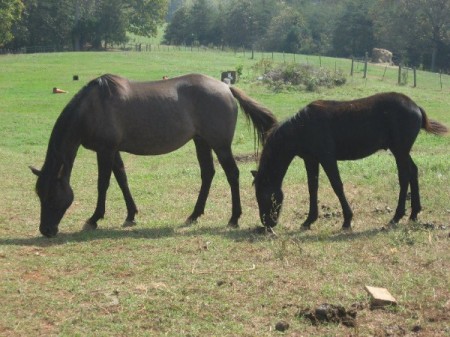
(160, 278)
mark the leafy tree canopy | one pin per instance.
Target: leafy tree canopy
(10, 12)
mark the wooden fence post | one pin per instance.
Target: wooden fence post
(384, 73)
(365, 65)
(365, 69)
(399, 73)
(351, 69)
(415, 77)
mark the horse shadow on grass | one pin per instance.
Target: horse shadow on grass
(252, 235)
(249, 235)
(93, 235)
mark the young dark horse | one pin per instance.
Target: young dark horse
(112, 114)
(327, 131)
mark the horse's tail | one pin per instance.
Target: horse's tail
(262, 118)
(432, 126)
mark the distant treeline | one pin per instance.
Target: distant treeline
(77, 25)
(416, 31)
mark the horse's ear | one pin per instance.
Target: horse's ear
(35, 171)
(254, 173)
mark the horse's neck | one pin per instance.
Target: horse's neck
(276, 164)
(62, 148)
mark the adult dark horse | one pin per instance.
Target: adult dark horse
(112, 114)
(327, 131)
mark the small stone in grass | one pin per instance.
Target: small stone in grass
(282, 326)
(220, 283)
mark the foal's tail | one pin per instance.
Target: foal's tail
(432, 126)
(262, 118)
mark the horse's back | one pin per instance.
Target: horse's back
(358, 128)
(159, 117)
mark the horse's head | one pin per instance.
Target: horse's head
(269, 198)
(56, 196)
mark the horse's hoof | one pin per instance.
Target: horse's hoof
(190, 221)
(391, 225)
(263, 230)
(306, 225)
(233, 224)
(347, 229)
(304, 228)
(89, 226)
(129, 223)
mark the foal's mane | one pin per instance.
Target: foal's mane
(277, 138)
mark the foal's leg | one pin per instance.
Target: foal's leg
(205, 159)
(312, 170)
(415, 195)
(105, 163)
(331, 169)
(228, 163)
(121, 177)
(404, 177)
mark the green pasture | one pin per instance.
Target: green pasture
(162, 278)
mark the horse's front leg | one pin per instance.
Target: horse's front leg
(205, 159)
(105, 163)
(331, 169)
(312, 171)
(121, 177)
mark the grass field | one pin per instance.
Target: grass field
(161, 278)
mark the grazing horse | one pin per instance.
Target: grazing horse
(327, 131)
(112, 114)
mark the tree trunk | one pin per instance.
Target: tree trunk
(433, 59)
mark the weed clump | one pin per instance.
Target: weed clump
(294, 76)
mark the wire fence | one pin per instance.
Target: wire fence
(399, 74)
(355, 68)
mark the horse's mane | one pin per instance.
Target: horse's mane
(277, 136)
(108, 85)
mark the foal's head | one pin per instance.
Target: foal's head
(55, 195)
(269, 198)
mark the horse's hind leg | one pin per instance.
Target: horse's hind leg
(121, 177)
(331, 169)
(415, 195)
(105, 163)
(404, 176)
(228, 163)
(205, 159)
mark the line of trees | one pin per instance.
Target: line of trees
(79, 24)
(416, 31)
